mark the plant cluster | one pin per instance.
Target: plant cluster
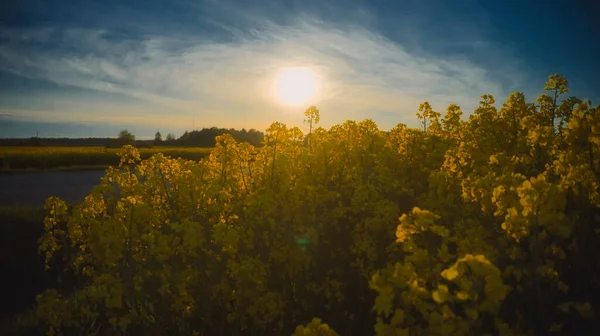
(484, 226)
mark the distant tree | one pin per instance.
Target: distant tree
(158, 138)
(206, 137)
(170, 137)
(126, 138)
(312, 117)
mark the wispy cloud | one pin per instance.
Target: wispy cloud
(229, 82)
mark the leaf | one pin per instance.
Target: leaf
(585, 309)
(398, 318)
(564, 307)
(471, 313)
(441, 294)
(450, 273)
(462, 295)
(555, 327)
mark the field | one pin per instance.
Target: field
(19, 158)
(487, 226)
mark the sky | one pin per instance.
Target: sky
(91, 68)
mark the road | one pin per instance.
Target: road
(32, 189)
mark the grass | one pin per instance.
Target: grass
(23, 267)
(20, 159)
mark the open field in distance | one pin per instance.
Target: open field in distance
(19, 158)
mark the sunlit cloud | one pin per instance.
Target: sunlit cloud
(229, 82)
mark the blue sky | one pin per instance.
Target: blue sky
(91, 68)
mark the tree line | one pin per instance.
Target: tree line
(206, 137)
(197, 138)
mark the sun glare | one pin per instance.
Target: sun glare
(295, 86)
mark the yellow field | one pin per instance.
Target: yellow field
(34, 158)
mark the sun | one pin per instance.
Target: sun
(295, 86)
